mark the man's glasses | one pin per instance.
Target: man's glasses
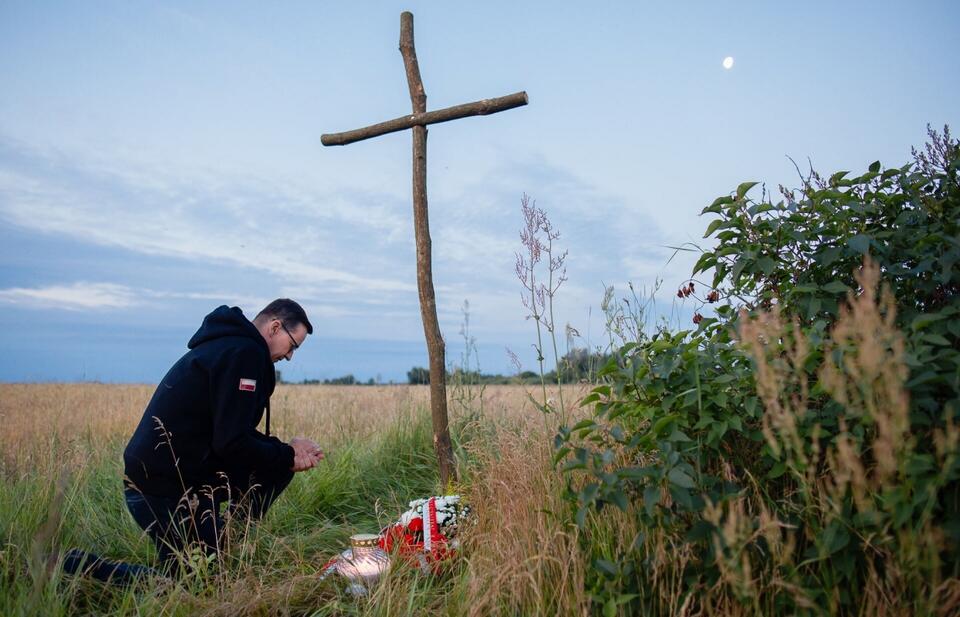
(293, 341)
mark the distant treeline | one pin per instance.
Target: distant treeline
(346, 380)
(576, 366)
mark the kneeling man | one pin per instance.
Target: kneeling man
(197, 445)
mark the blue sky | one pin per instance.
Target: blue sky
(160, 159)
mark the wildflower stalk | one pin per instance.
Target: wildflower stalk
(537, 297)
(526, 272)
(550, 328)
(537, 317)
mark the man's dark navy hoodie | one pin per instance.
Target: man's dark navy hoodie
(203, 416)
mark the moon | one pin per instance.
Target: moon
(728, 62)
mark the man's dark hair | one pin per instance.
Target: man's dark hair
(288, 312)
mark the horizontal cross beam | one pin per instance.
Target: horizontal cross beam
(477, 108)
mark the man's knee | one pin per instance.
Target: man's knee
(267, 482)
(264, 489)
(280, 480)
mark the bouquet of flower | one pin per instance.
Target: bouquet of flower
(426, 534)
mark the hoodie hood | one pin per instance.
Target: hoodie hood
(225, 321)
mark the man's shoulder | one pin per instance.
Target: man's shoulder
(237, 342)
(231, 348)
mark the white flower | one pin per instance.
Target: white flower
(448, 508)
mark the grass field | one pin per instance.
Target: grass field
(61, 472)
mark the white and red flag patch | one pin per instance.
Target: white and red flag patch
(248, 385)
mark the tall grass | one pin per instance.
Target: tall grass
(60, 487)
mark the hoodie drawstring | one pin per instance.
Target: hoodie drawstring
(268, 417)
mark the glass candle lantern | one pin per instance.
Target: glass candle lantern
(363, 563)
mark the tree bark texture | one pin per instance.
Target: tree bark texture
(476, 108)
(421, 223)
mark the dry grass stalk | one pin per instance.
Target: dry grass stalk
(865, 371)
(522, 558)
(780, 353)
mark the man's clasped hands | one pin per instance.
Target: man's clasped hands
(306, 453)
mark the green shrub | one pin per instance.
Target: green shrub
(800, 443)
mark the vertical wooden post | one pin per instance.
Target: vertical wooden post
(421, 223)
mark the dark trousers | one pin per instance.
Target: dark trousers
(196, 518)
(179, 524)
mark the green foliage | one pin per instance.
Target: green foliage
(705, 442)
(801, 254)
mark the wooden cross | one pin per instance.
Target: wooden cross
(418, 121)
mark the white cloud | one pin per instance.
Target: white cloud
(78, 296)
(249, 303)
(203, 218)
(88, 296)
